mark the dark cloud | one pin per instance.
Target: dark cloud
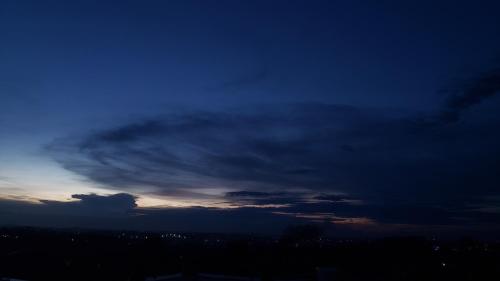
(332, 197)
(471, 93)
(119, 200)
(93, 204)
(400, 169)
(120, 212)
(393, 213)
(291, 148)
(255, 198)
(90, 210)
(250, 194)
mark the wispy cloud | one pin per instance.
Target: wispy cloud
(396, 170)
(472, 92)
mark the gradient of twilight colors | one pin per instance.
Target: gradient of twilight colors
(247, 116)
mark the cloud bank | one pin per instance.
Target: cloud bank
(316, 161)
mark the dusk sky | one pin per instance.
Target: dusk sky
(368, 117)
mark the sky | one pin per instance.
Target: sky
(367, 117)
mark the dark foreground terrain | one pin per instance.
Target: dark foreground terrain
(43, 254)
